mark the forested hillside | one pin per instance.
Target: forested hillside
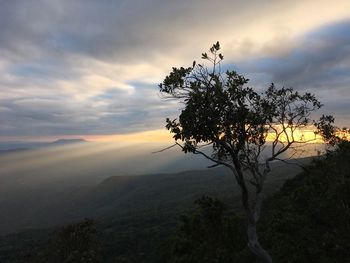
(307, 220)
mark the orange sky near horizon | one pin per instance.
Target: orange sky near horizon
(160, 136)
(163, 135)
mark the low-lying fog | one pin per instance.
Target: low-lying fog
(90, 163)
(35, 180)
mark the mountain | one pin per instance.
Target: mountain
(67, 141)
(18, 146)
(15, 150)
(11, 146)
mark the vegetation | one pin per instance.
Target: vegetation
(74, 243)
(312, 213)
(209, 233)
(308, 220)
(222, 112)
(134, 215)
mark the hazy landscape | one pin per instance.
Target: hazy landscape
(136, 213)
(174, 131)
(59, 183)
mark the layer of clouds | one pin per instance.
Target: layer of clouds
(320, 64)
(92, 67)
(321, 55)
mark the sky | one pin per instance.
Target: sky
(91, 69)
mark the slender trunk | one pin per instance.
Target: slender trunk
(254, 244)
(253, 215)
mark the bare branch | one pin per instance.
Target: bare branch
(167, 148)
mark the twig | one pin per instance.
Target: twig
(167, 148)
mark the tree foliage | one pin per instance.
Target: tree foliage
(73, 243)
(208, 234)
(311, 213)
(76, 243)
(219, 109)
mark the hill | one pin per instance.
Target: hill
(305, 221)
(135, 214)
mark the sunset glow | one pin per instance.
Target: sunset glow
(305, 135)
(146, 136)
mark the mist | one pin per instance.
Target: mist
(38, 186)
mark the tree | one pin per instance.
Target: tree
(311, 213)
(72, 243)
(76, 243)
(208, 234)
(246, 130)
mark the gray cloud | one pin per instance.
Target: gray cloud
(113, 111)
(321, 58)
(319, 64)
(118, 30)
(92, 67)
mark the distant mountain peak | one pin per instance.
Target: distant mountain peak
(68, 141)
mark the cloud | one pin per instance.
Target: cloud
(92, 67)
(320, 64)
(134, 31)
(321, 54)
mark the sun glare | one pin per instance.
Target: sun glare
(306, 135)
(146, 136)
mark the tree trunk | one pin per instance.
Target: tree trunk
(253, 215)
(254, 244)
(253, 218)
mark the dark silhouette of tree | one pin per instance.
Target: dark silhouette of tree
(308, 220)
(76, 243)
(208, 234)
(73, 243)
(237, 122)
